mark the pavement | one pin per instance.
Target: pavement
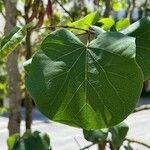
(64, 137)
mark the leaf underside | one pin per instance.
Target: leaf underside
(91, 87)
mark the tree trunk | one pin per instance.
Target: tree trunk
(13, 73)
(107, 8)
(28, 100)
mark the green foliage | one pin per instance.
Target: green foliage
(29, 141)
(85, 22)
(3, 110)
(116, 5)
(81, 85)
(11, 41)
(118, 133)
(115, 135)
(140, 30)
(98, 136)
(121, 24)
(11, 141)
(107, 23)
(3, 78)
(9, 36)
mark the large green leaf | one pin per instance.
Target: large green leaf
(141, 31)
(89, 86)
(85, 22)
(118, 133)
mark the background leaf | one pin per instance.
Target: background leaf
(11, 41)
(85, 22)
(12, 140)
(118, 133)
(121, 24)
(29, 141)
(141, 31)
(9, 36)
(107, 23)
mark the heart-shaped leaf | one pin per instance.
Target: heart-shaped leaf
(141, 31)
(89, 86)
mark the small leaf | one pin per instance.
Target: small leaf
(97, 136)
(11, 42)
(45, 137)
(140, 30)
(9, 36)
(49, 9)
(121, 24)
(107, 23)
(81, 85)
(118, 133)
(85, 22)
(12, 140)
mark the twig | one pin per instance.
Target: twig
(138, 142)
(87, 146)
(61, 5)
(77, 142)
(141, 108)
(71, 27)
